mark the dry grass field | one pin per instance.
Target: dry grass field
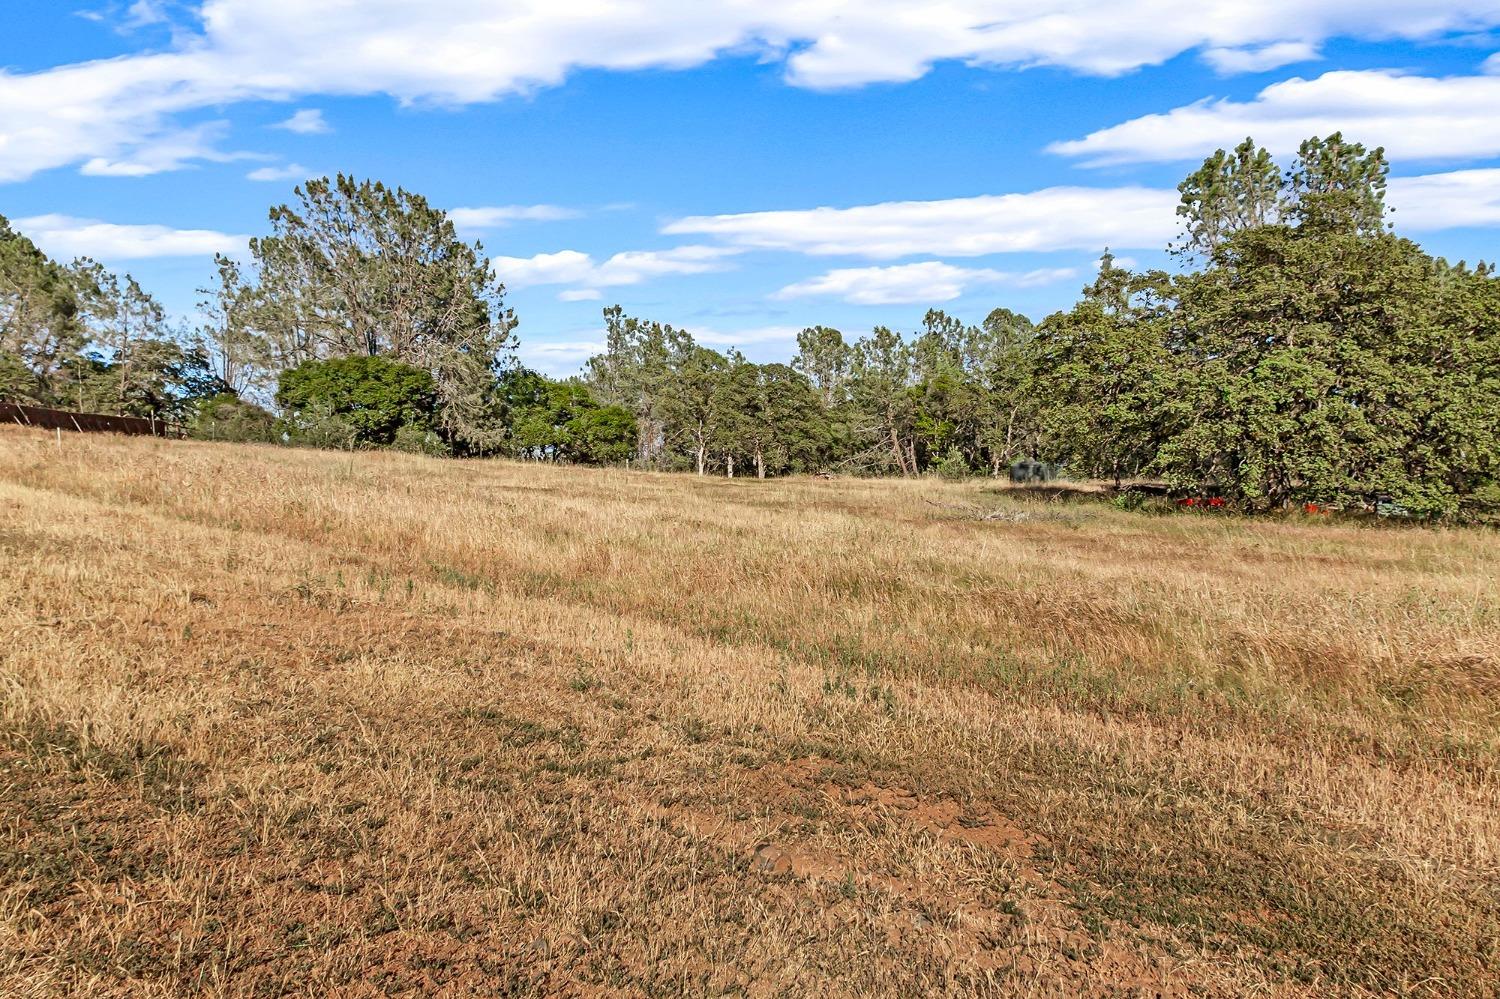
(279, 722)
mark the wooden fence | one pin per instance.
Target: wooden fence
(96, 423)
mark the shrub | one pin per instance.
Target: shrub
(420, 440)
(374, 397)
(953, 465)
(320, 426)
(227, 417)
(602, 436)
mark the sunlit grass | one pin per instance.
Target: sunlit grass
(288, 720)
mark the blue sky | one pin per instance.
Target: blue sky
(738, 169)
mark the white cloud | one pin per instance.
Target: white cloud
(562, 267)
(464, 51)
(746, 337)
(63, 236)
(1055, 218)
(927, 281)
(1414, 117)
(144, 13)
(562, 357)
(292, 171)
(169, 150)
(580, 295)
(116, 115)
(1445, 200)
(1052, 219)
(1259, 60)
(499, 216)
(631, 267)
(308, 121)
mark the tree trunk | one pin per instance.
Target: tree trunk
(702, 456)
(729, 465)
(760, 465)
(896, 446)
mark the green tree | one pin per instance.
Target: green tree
(638, 371)
(602, 435)
(823, 356)
(359, 269)
(226, 417)
(238, 353)
(128, 329)
(773, 419)
(549, 420)
(1105, 377)
(1335, 365)
(699, 400)
(40, 325)
(881, 376)
(374, 396)
(948, 397)
(1229, 193)
(1339, 186)
(1004, 372)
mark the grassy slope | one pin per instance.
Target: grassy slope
(286, 721)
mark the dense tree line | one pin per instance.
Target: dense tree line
(77, 336)
(1302, 352)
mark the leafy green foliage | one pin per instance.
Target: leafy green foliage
(551, 420)
(1312, 356)
(40, 322)
(1323, 368)
(374, 397)
(1230, 193)
(1104, 378)
(78, 336)
(359, 269)
(227, 417)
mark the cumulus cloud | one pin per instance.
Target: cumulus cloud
(168, 150)
(463, 51)
(1259, 60)
(746, 337)
(1056, 218)
(557, 357)
(1445, 200)
(580, 295)
(63, 236)
(1052, 219)
(292, 171)
(574, 267)
(308, 121)
(1414, 117)
(499, 216)
(902, 284)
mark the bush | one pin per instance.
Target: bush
(320, 426)
(602, 436)
(420, 440)
(953, 465)
(227, 417)
(374, 397)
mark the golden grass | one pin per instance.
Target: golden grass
(290, 722)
